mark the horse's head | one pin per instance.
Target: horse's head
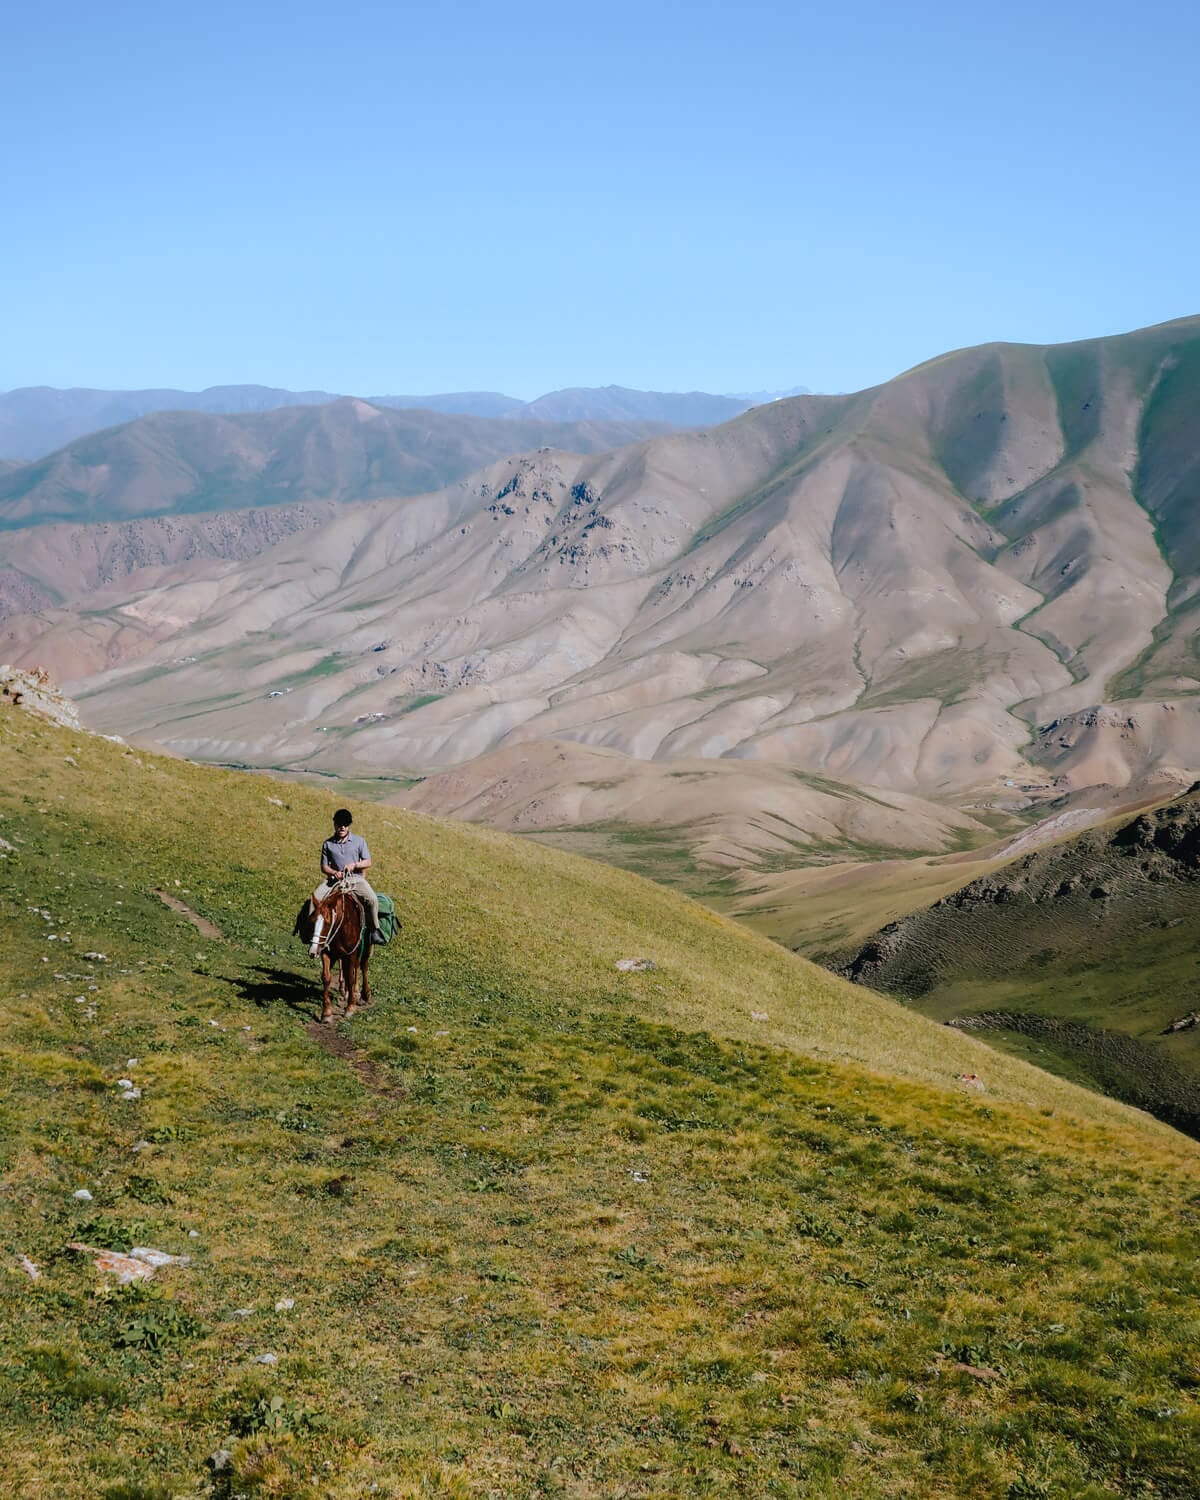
(325, 922)
(320, 924)
(335, 917)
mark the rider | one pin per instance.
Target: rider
(343, 858)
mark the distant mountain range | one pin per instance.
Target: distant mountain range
(37, 420)
(173, 463)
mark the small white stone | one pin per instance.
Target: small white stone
(131, 1062)
(158, 1258)
(83, 1195)
(124, 1083)
(193, 1234)
(285, 1304)
(267, 1359)
(243, 1312)
(132, 1094)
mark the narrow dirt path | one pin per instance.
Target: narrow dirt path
(202, 925)
(370, 1074)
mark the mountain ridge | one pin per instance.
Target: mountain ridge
(38, 420)
(345, 450)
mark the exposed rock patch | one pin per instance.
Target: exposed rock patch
(32, 690)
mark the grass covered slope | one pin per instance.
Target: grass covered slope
(1083, 953)
(548, 1229)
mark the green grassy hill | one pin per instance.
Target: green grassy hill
(544, 1228)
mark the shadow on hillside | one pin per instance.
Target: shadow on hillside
(300, 993)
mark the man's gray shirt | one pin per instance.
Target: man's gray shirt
(339, 853)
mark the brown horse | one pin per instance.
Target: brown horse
(335, 929)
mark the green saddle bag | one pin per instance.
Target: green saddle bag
(389, 922)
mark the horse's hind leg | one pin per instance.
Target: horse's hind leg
(366, 988)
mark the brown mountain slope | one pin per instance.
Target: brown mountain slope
(927, 587)
(690, 823)
(174, 462)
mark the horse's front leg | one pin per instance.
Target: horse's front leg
(326, 979)
(351, 972)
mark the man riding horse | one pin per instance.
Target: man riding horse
(343, 859)
(342, 921)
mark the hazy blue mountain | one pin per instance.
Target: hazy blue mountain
(178, 462)
(760, 398)
(38, 420)
(458, 404)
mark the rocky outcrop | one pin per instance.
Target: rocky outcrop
(34, 692)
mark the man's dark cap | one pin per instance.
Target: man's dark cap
(342, 818)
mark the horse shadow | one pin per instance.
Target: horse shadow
(279, 986)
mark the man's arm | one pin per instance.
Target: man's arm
(364, 860)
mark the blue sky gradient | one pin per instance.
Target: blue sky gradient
(400, 198)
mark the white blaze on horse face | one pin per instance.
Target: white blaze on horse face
(316, 939)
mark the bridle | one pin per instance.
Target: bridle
(320, 944)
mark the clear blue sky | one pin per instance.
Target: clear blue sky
(390, 197)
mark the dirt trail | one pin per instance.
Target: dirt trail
(370, 1074)
(202, 925)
